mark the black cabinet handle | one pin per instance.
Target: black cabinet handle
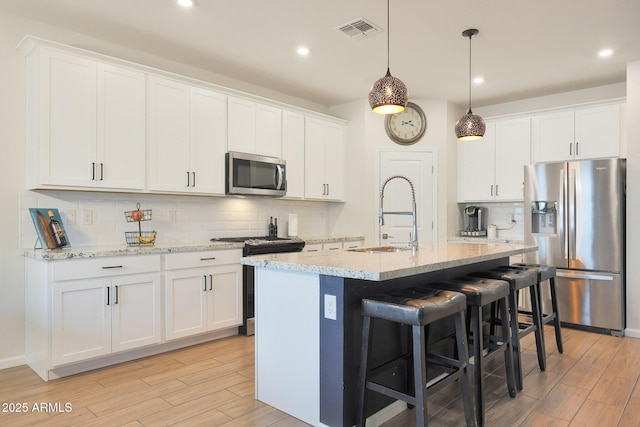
(111, 266)
(93, 171)
(207, 259)
(194, 179)
(101, 171)
(108, 293)
(116, 301)
(210, 282)
(188, 182)
(204, 277)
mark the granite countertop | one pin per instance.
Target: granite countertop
(391, 265)
(484, 239)
(120, 250)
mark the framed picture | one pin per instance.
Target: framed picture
(49, 227)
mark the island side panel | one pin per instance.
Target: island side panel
(340, 339)
(287, 342)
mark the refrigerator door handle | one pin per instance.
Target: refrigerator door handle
(562, 206)
(584, 276)
(573, 226)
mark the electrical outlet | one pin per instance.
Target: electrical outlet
(510, 218)
(330, 310)
(70, 215)
(87, 217)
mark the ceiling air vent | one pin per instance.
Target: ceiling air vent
(359, 28)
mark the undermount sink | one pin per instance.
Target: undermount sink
(380, 249)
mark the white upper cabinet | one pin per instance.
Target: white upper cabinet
(584, 133)
(293, 152)
(492, 169)
(187, 131)
(254, 128)
(324, 160)
(86, 126)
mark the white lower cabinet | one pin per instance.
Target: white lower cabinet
(203, 292)
(95, 317)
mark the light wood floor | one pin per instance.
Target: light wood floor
(594, 383)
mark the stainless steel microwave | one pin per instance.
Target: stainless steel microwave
(253, 175)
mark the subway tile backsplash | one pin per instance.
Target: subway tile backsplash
(93, 218)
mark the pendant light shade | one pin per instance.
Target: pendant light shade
(388, 95)
(470, 127)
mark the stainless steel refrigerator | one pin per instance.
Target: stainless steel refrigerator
(575, 213)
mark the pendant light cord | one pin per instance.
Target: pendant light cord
(388, 35)
(471, 35)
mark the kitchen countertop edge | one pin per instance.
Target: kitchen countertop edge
(124, 250)
(379, 267)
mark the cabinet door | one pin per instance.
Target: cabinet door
(334, 161)
(241, 125)
(136, 318)
(67, 125)
(120, 161)
(208, 141)
(186, 302)
(225, 306)
(168, 135)
(80, 320)
(268, 131)
(476, 165)
(314, 167)
(513, 147)
(293, 152)
(597, 132)
(552, 137)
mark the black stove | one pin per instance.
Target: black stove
(265, 244)
(257, 246)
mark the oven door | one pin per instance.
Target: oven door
(252, 175)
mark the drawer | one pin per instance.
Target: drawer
(316, 247)
(104, 267)
(202, 259)
(353, 245)
(332, 246)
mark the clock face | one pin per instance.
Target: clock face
(408, 126)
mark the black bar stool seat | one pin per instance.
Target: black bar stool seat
(418, 308)
(520, 279)
(547, 272)
(481, 292)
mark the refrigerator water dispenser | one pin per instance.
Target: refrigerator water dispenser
(544, 217)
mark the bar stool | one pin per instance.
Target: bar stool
(520, 279)
(417, 307)
(480, 293)
(546, 272)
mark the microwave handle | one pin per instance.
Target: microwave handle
(279, 177)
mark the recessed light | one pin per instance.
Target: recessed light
(478, 80)
(605, 52)
(186, 3)
(303, 51)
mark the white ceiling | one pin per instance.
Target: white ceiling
(524, 49)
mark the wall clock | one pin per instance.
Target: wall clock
(408, 126)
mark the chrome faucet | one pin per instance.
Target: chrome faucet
(414, 233)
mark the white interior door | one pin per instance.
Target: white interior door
(419, 167)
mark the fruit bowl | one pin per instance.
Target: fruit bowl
(138, 215)
(140, 237)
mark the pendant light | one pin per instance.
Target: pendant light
(388, 95)
(470, 127)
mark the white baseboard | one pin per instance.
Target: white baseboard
(634, 333)
(12, 362)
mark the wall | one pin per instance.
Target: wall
(630, 90)
(177, 219)
(366, 137)
(199, 215)
(633, 200)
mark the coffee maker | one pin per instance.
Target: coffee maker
(474, 221)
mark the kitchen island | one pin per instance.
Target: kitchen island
(308, 321)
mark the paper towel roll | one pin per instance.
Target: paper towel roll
(293, 225)
(491, 231)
